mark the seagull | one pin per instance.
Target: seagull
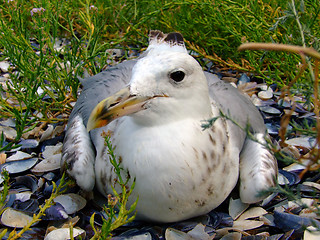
(153, 109)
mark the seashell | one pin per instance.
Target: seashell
(300, 109)
(308, 191)
(284, 103)
(237, 207)
(288, 112)
(270, 110)
(40, 91)
(28, 181)
(273, 129)
(287, 178)
(9, 132)
(267, 200)
(51, 142)
(304, 142)
(312, 184)
(47, 133)
(268, 219)
(187, 225)
(49, 164)
(173, 234)
(64, 233)
(311, 233)
(71, 202)
(10, 200)
(14, 218)
(6, 75)
(232, 236)
(243, 79)
(9, 122)
(28, 143)
(199, 232)
(18, 156)
(59, 129)
(220, 219)
(247, 224)
(4, 66)
(303, 202)
(29, 206)
(49, 176)
(291, 151)
(265, 95)
(310, 212)
(263, 86)
(48, 189)
(23, 196)
(19, 166)
(257, 101)
(286, 221)
(55, 212)
(41, 182)
(281, 206)
(297, 166)
(115, 52)
(134, 234)
(52, 150)
(310, 117)
(252, 213)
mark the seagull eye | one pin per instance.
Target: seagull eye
(177, 76)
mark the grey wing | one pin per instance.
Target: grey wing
(78, 153)
(258, 166)
(235, 104)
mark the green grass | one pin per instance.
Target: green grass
(212, 29)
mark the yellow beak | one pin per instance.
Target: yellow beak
(115, 106)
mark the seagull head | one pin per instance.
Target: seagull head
(167, 84)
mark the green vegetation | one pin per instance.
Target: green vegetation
(212, 29)
(116, 210)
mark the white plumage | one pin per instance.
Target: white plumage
(181, 170)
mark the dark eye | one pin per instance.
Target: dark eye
(177, 76)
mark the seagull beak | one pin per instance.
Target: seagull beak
(120, 104)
